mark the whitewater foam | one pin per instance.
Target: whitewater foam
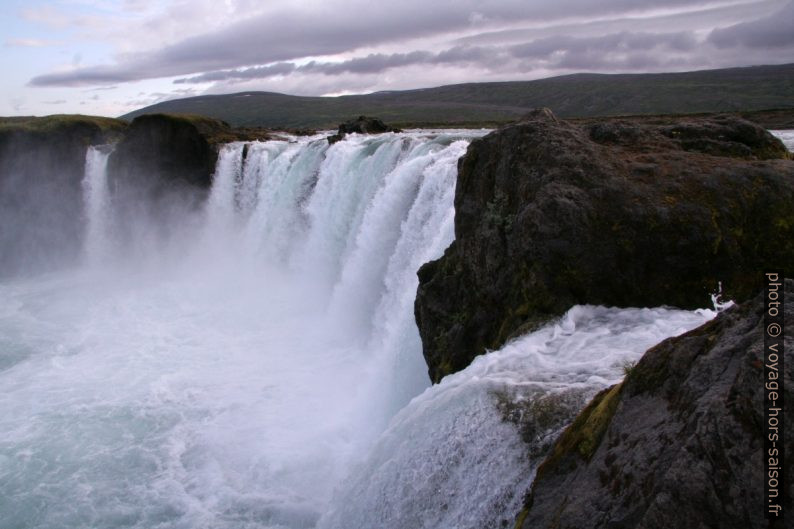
(253, 362)
(463, 453)
(206, 383)
(786, 136)
(97, 204)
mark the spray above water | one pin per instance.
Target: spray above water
(252, 363)
(224, 370)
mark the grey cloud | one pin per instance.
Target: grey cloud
(56, 102)
(594, 61)
(774, 31)
(624, 41)
(466, 54)
(697, 17)
(292, 33)
(378, 62)
(258, 72)
(371, 64)
(101, 88)
(88, 76)
(618, 51)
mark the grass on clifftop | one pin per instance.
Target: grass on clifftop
(59, 121)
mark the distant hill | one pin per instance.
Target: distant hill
(578, 95)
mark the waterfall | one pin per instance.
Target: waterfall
(97, 204)
(355, 221)
(786, 136)
(462, 454)
(248, 357)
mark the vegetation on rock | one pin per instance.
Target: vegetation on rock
(678, 444)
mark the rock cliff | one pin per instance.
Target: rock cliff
(166, 148)
(624, 213)
(42, 161)
(679, 443)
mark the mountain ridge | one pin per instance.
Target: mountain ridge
(569, 96)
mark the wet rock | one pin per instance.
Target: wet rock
(42, 162)
(652, 212)
(679, 443)
(361, 125)
(161, 148)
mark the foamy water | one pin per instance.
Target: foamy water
(256, 364)
(786, 136)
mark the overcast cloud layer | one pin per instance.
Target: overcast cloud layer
(310, 47)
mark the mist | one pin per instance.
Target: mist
(245, 355)
(215, 355)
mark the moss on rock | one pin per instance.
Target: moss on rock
(584, 435)
(677, 443)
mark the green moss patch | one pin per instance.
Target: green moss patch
(583, 437)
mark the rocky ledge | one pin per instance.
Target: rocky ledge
(42, 161)
(361, 125)
(550, 214)
(53, 145)
(166, 148)
(680, 443)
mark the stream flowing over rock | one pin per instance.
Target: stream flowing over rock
(642, 213)
(679, 443)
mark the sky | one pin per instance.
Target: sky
(109, 57)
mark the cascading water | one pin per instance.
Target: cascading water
(786, 136)
(242, 368)
(462, 454)
(97, 204)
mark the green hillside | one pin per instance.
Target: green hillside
(578, 95)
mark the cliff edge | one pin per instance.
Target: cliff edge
(42, 162)
(680, 443)
(550, 214)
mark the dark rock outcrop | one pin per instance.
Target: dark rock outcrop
(679, 443)
(168, 158)
(42, 163)
(623, 213)
(361, 125)
(164, 148)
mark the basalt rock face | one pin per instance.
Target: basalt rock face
(165, 149)
(159, 163)
(680, 443)
(42, 161)
(551, 214)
